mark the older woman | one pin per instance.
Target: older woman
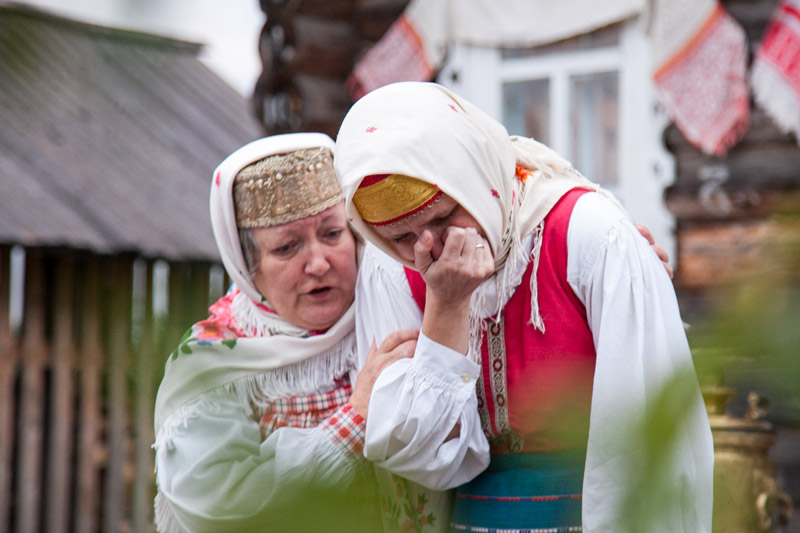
(573, 334)
(258, 424)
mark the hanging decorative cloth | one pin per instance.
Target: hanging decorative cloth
(776, 68)
(700, 65)
(413, 48)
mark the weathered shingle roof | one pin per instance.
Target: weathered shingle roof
(109, 138)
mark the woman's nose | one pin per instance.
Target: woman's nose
(317, 262)
(438, 242)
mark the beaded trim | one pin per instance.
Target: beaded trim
(397, 221)
(282, 188)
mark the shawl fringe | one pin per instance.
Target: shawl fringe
(165, 519)
(536, 317)
(299, 379)
(253, 321)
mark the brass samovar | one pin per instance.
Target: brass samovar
(747, 496)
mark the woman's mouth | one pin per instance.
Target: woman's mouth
(320, 292)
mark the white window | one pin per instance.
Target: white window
(590, 98)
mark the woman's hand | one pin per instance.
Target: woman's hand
(451, 278)
(464, 262)
(396, 345)
(660, 252)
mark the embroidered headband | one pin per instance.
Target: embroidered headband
(385, 199)
(285, 187)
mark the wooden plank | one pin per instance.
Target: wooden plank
(719, 254)
(146, 362)
(62, 401)
(8, 367)
(32, 396)
(119, 320)
(179, 275)
(90, 451)
(198, 293)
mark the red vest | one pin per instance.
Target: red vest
(536, 388)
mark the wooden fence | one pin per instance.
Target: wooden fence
(78, 377)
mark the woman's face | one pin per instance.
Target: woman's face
(443, 214)
(307, 268)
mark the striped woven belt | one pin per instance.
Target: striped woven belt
(524, 492)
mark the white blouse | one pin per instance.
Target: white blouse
(215, 472)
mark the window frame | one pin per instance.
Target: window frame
(645, 167)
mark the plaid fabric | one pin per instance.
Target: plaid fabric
(329, 410)
(346, 429)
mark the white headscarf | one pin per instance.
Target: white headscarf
(273, 357)
(425, 131)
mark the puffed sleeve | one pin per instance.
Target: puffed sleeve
(641, 347)
(216, 473)
(416, 403)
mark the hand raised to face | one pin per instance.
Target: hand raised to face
(464, 262)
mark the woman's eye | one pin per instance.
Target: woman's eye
(283, 250)
(443, 218)
(400, 239)
(334, 234)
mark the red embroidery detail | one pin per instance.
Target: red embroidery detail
(451, 106)
(217, 181)
(553, 498)
(371, 129)
(495, 193)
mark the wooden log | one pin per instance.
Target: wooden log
(373, 17)
(327, 9)
(325, 103)
(118, 324)
(715, 255)
(723, 205)
(772, 166)
(8, 370)
(62, 401)
(90, 451)
(753, 16)
(32, 395)
(324, 48)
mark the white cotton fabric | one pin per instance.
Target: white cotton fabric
(416, 402)
(396, 442)
(216, 473)
(639, 347)
(510, 23)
